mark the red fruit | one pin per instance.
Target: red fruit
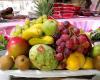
(80, 49)
(61, 26)
(59, 56)
(58, 42)
(86, 44)
(65, 31)
(67, 52)
(75, 41)
(17, 46)
(65, 37)
(76, 31)
(59, 49)
(66, 24)
(82, 38)
(69, 44)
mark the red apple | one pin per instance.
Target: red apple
(17, 46)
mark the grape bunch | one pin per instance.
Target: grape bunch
(19, 29)
(70, 40)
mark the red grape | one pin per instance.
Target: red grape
(82, 38)
(65, 37)
(65, 31)
(58, 42)
(67, 52)
(66, 24)
(86, 44)
(75, 41)
(69, 44)
(61, 27)
(59, 56)
(59, 49)
(56, 36)
(76, 31)
(80, 49)
(62, 44)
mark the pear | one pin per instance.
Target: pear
(22, 62)
(6, 62)
(96, 61)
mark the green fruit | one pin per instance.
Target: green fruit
(96, 50)
(49, 27)
(42, 57)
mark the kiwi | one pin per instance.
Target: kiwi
(96, 62)
(22, 62)
(6, 62)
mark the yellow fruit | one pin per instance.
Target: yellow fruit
(44, 17)
(81, 58)
(31, 32)
(41, 40)
(73, 63)
(39, 26)
(48, 39)
(39, 20)
(88, 63)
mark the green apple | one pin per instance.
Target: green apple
(49, 27)
(96, 50)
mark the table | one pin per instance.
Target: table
(48, 74)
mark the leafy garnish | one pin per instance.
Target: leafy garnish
(3, 42)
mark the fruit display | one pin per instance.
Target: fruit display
(47, 44)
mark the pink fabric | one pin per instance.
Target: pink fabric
(87, 24)
(6, 27)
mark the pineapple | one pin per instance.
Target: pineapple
(44, 7)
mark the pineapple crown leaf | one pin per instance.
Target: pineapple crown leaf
(44, 7)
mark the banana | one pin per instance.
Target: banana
(31, 32)
(42, 40)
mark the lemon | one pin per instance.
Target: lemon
(81, 58)
(73, 63)
(88, 63)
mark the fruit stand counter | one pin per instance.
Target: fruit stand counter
(44, 74)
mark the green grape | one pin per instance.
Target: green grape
(39, 20)
(18, 29)
(44, 17)
(25, 27)
(16, 34)
(32, 22)
(27, 22)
